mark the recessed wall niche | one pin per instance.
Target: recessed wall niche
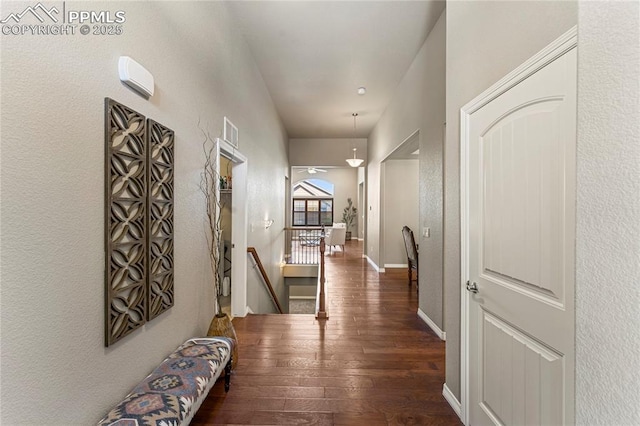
(139, 161)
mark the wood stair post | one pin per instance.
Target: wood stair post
(322, 306)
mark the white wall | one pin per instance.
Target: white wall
(485, 41)
(345, 181)
(55, 368)
(362, 202)
(608, 213)
(326, 152)
(400, 208)
(418, 104)
(331, 153)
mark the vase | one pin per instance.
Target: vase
(347, 237)
(222, 326)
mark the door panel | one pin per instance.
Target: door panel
(515, 367)
(522, 218)
(521, 228)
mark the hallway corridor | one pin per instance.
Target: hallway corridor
(374, 362)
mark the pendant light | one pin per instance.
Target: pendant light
(354, 162)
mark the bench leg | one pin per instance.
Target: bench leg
(227, 375)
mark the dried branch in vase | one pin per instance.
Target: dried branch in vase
(210, 187)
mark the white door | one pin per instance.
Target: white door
(521, 238)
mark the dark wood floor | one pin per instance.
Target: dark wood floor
(374, 362)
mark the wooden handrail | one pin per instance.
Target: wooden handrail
(304, 228)
(321, 312)
(256, 258)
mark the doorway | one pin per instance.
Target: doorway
(236, 164)
(226, 221)
(361, 210)
(518, 142)
(399, 198)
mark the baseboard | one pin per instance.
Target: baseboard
(441, 334)
(373, 264)
(452, 400)
(302, 297)
(396, 265)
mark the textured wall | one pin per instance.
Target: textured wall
(325, 152)
(55, 368)
(345, 186)
(362, 202)
(608, 211)
(418, 104)
(331, 153)
(400, 207)
(485, 41)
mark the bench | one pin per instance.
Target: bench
(174, 391)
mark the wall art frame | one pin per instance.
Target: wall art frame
(125, 221)
(160, 147)
(139, 205)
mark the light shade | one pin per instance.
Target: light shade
(354, 162)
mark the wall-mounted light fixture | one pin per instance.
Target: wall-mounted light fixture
(268, 223)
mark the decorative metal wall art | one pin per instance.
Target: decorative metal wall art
(125, 221)
(160, 248)
(138, 220)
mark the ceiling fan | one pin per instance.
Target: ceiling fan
(312, 170)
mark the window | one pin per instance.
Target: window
(312, 211)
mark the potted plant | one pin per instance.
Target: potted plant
(348, 217)
(210, 186)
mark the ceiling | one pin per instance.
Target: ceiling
(313, 56)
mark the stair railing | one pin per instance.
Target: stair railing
(302, 245)
(265, 278)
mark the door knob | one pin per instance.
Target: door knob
(472, 287)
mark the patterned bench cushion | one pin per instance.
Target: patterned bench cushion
(173, 392)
